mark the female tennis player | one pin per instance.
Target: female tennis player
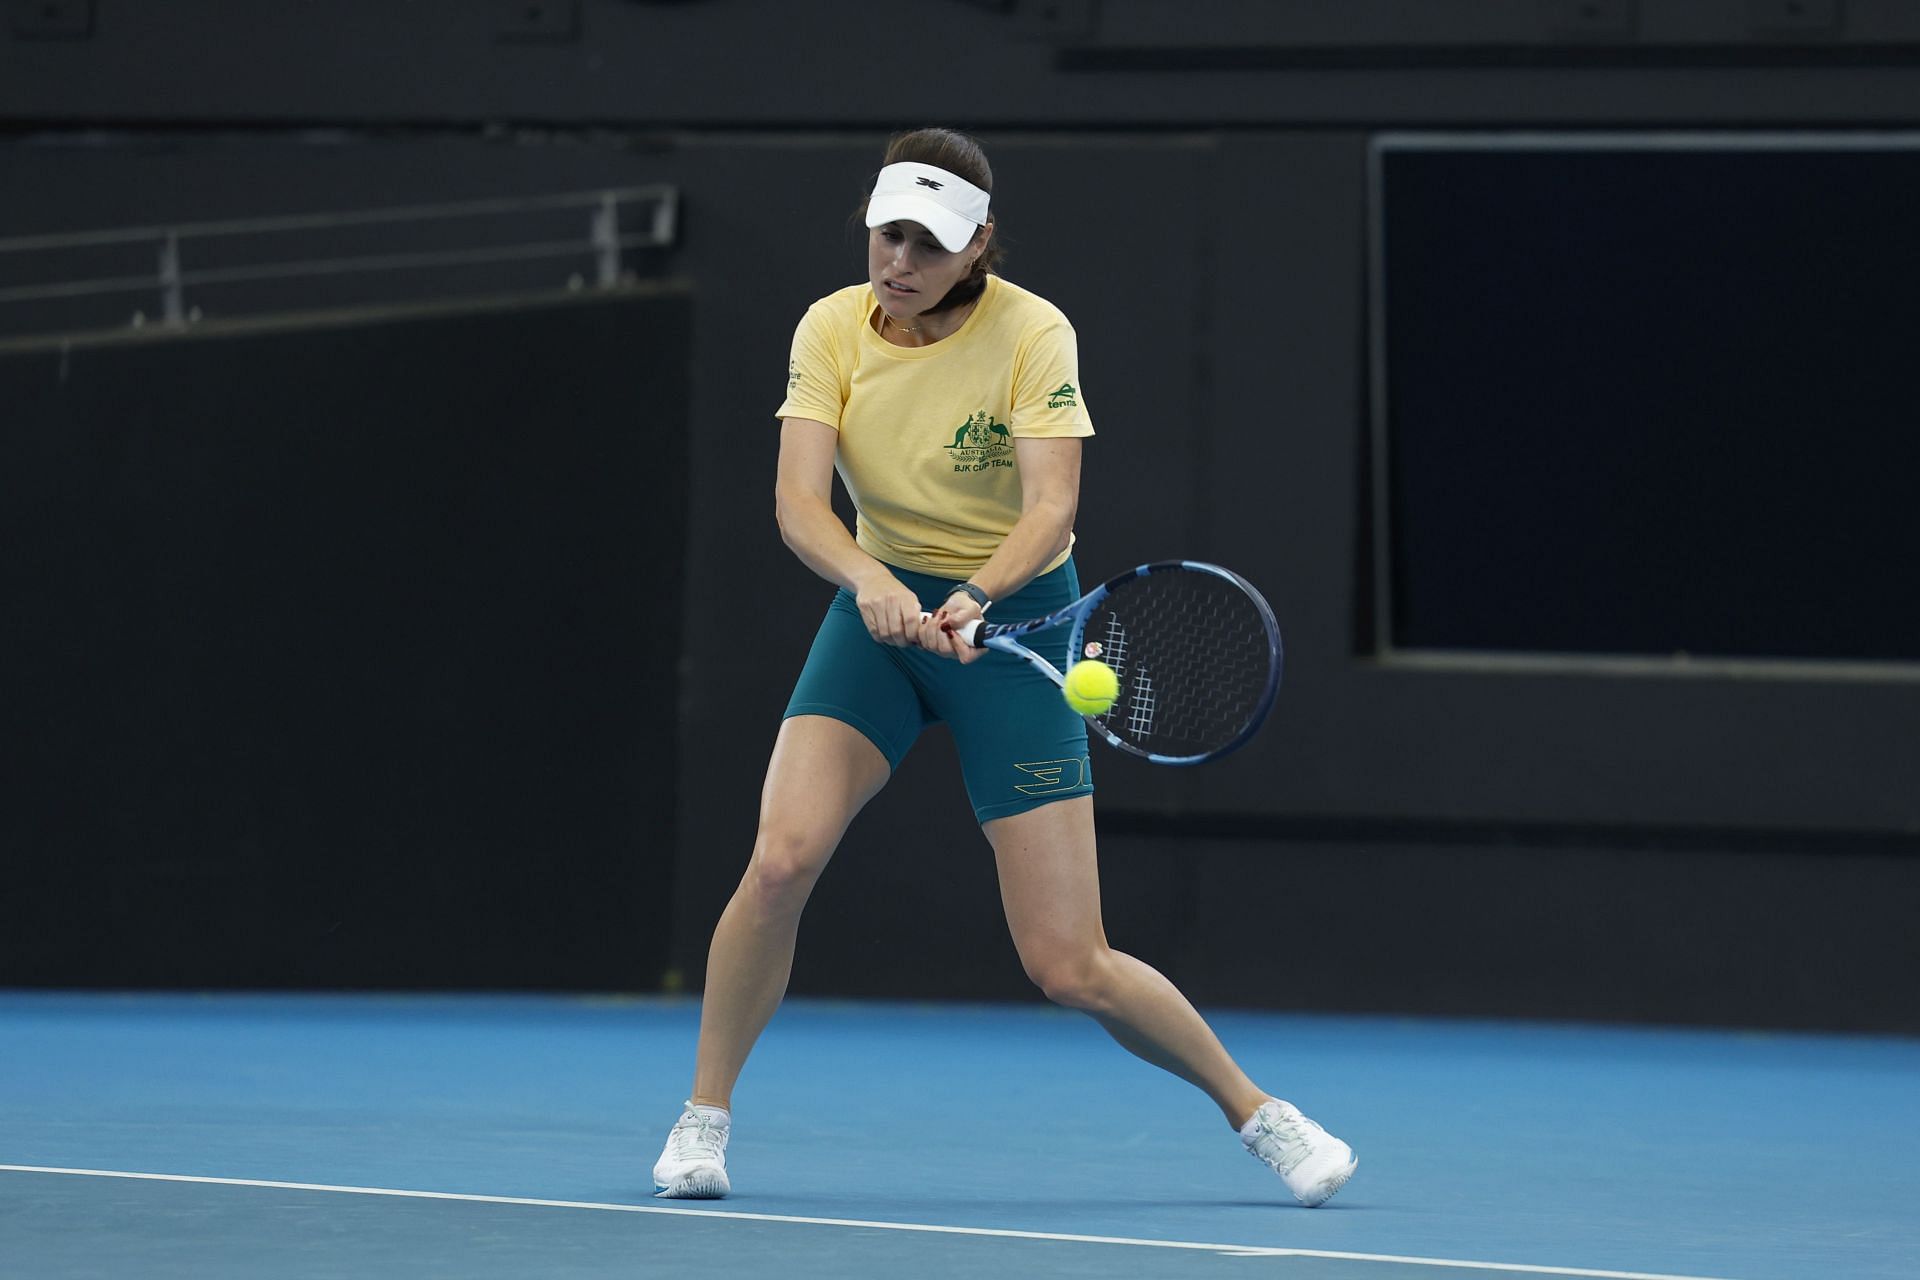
(949, 399)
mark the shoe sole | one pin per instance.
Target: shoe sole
(702, 1184)
(1331, 1187)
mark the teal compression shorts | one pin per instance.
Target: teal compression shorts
(1020, 745)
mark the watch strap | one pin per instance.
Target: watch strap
(973, 592)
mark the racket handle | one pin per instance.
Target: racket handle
(966, 632)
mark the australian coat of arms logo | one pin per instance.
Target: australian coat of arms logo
(981, 442)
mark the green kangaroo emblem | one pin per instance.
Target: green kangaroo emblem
(982, 432)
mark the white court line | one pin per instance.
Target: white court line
(1231, 1250)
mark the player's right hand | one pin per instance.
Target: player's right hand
(890, 610)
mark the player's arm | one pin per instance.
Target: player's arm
(1049, 499)
(803, 507)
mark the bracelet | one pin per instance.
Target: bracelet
(973, 592)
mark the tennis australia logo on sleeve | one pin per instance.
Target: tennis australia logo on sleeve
(981, 442)
(1065, 398)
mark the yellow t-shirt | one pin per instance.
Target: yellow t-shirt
(926, 433)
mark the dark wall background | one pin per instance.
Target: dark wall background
(332, 649)
(1191, 188)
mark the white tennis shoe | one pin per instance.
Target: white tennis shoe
(694, 1164)
(1312, 1162)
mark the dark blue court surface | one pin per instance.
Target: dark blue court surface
(320, 1136)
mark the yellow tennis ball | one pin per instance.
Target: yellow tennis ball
(1091, 687)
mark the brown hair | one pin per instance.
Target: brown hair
(957, 154)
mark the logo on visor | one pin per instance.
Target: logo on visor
(929, 182)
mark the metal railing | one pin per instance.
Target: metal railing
(603, 242)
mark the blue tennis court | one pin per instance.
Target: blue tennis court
(314, 1136)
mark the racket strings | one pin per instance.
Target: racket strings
(1194, 654)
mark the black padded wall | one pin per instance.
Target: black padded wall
(341, 653)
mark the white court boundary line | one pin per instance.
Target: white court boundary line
(1230, 1250)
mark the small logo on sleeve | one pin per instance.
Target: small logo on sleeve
(1064, 398)
(793, 375)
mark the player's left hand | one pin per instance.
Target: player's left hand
(938, 632)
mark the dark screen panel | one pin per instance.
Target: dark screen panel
(1652, 399)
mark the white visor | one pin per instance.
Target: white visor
(944, 203)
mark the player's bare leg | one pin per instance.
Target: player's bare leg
(821, 774)
(1050, 885)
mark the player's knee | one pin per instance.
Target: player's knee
(786, 862)
(1071, 979)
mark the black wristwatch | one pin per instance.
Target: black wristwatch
(973, 593)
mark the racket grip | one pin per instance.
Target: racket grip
(969, 632)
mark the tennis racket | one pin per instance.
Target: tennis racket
(1195, 646)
